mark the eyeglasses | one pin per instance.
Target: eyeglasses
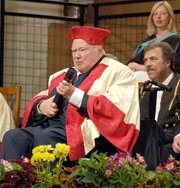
(160, 13)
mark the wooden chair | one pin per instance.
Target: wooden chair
(12, 94)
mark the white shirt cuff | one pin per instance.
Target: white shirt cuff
(76, 98)
(39, 111)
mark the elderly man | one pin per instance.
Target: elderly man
(158, 59)
(98, 111)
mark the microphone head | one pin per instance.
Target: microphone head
(70, 75)
(159, 86)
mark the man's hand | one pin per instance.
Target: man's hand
(65, 89)
(48, 107)
(136, 67)
(176, 144)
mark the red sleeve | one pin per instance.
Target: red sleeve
(109, 120)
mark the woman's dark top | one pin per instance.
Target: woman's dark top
(173, 40)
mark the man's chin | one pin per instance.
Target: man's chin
(151, 77)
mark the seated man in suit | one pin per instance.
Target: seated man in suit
(158, 59)
(99, 111)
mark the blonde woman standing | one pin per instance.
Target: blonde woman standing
(160, 27)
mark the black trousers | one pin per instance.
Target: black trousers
(20, 142)
(102, 145)
(154, 144)
(150, 143)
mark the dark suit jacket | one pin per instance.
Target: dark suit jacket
(169, 114)
(155, 140)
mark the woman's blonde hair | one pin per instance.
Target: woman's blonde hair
(151, 29)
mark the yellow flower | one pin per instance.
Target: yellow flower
(36, 158)
(48, 157)
(42, 153)
(42, 148)
(45, 153)
(61, 151)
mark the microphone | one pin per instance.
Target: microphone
(69, 77)
(160, 86)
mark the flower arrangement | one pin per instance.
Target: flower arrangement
(49, 164)
(121, 170)
(17, 174)
(46, 170)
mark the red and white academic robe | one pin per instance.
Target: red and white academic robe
(113, 108)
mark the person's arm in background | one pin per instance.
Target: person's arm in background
(177, 56)
(176, 144)
(6, 117)
(136, 66)
(176, 141)
(136, 63)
